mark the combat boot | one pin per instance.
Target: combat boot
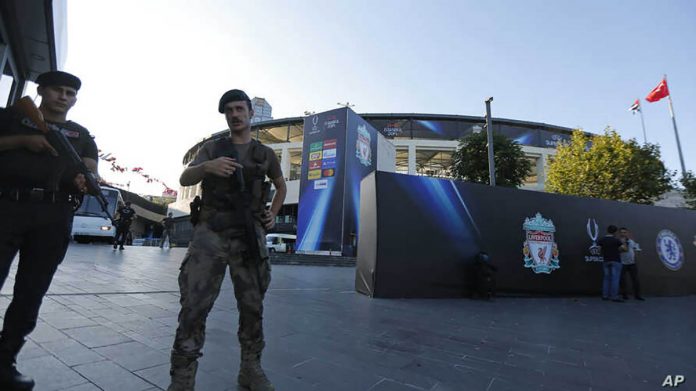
(10, 378)
(251, 375)
(183, 373)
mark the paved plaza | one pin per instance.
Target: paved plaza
(109, 319)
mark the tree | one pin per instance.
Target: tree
(689, 183)
(470, 160)
(605, 166)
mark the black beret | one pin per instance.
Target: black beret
(232, 96)
(58, 78)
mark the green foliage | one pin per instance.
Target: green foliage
(470, 160)
(607, 167)
(689, 183)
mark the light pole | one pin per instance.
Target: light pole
(347, 104)
(489, 131)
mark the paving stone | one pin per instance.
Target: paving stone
(158, 375)
(50, 374)
(96, 336)
(83, 387)
(109, 376)
(45, 333)
(71, 352)
(32, 350)
(390, 385)
(68, 322)
(133, 355)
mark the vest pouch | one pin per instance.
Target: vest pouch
(221, 221)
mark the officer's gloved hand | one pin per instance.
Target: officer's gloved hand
(37, 143)
(80, 182)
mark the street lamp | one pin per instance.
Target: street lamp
(347, 104)
(489, 130)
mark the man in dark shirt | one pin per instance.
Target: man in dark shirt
(125, 216)
(611, 252)
(167, 224)
(37, 194)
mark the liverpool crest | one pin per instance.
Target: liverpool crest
(540, 251)
(362, 146)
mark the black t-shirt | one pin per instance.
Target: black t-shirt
(610, 248)
(21, 168)
(168, 222)
(126, 214)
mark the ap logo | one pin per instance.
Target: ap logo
(673, 381)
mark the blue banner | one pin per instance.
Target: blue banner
(320, 209)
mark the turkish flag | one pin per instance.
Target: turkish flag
(658, 92)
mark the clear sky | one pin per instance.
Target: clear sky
(153, 71)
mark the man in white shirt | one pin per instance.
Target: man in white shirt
(628, 259)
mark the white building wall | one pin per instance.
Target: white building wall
(386, 154)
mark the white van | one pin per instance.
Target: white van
(280, 243)
(90, 222)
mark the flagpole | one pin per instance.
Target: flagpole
(676, 133)
(642, 121)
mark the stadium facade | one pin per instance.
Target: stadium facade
(414, 144)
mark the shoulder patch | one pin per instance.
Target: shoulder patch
(70, 133)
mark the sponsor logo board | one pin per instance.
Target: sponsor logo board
(328, 163)
(329, 153)
(313, 147)
(328, 172)
(320, 184)
(328, 144)
(314, 174)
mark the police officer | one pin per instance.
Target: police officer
(233, 170)
(37, 193)
(125, 216)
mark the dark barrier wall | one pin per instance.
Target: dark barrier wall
(419, 236)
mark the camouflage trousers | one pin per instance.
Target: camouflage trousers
(200, 278)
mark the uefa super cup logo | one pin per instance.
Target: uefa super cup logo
(595, 250)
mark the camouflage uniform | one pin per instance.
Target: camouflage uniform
(201, 275)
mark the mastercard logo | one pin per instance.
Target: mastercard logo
(328, 172)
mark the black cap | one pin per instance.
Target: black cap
(58, 78)
(232, 96)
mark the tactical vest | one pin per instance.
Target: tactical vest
(248, 188)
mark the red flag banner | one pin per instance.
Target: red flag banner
(659, 92)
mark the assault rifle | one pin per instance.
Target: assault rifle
(25, 107)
